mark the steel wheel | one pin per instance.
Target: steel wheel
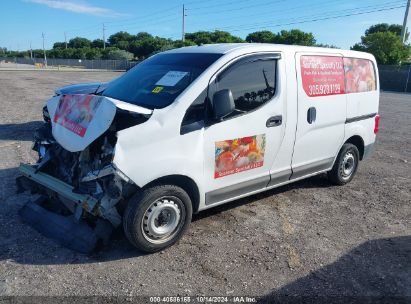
(156, 217)
(345, 165)
(163, 219)
(348, 165)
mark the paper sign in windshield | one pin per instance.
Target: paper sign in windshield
(75, 112)
(171, 78)
(322, 75)
(238, 155)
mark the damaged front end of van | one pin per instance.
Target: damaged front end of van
(80, 191)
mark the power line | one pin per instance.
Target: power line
(130, 28)
(219, 5)
(241, 8)
(269, 12)
(166, 13)
(324, 18)
(319, 14)
(97, 32)
(156, 21)
(148, 16)
(318, 17)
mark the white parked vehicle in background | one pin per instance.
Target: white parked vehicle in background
(197, 127)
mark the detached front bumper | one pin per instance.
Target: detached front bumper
(71, 231)
(75, 202)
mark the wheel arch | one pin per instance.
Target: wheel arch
(182, 181)
(357, 141)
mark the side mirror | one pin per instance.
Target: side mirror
(223, 104)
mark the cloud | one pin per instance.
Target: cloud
(77, 7)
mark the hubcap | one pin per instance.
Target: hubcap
(163, 219)
(347, 165)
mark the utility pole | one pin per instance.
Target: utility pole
(183, 36)
(404, 25)
(104, 36)
(31, 52)
(44, 51)
(65, 39)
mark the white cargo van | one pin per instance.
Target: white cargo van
(194, 128)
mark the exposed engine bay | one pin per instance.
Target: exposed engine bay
(84, 185)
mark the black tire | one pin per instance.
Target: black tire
(171, 203)
(343, 170)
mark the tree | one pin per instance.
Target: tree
(123, 45)
(79, 53)
(78, 43)
(330, 46)
(143, 44)
(261, 37)
(203, 37)
(57, 45)
(384, 42)
(97, 43)
(55, 53)
(224, 37)
(67, 53)
(296, 37)
(119, 55)
(120, 36)
(181, 43)
(143, 35)
(385, 46)
(200, 37)
(384, 27)
(92, 53)
(143, 48)
(284, 37)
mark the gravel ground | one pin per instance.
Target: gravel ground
(305, 239)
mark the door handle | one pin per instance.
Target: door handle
(311, 115)
(274, 121)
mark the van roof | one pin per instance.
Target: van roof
(225, 48)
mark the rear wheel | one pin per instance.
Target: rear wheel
(157, 217)
(346, 165)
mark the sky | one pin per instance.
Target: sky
(335, 22)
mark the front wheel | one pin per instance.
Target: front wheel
(345, 165)
(157, 217)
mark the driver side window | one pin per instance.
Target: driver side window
(252, 83)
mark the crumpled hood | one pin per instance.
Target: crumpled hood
(79, 119)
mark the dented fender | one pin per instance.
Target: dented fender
(155, 149)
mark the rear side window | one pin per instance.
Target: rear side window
(334, 75)
(359, 75)
(251, 82)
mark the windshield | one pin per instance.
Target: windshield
(156, 82)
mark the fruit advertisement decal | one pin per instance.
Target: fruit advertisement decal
(75, 112)
(322, 75)
(238, 155)
(359, 75)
